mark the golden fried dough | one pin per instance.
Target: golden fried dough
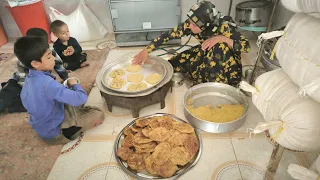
(179, 156)
(161, 154)
(142, 122)
(145, 131)
(153, 78)
(176, 139)
(124, 153)
(136, 129)
(145, 145)
(165, 170)
(159, 134)
(140, 138)
(149, 164)
(136, 159)
(158, 145)
(128, 131)
(128, 140)
(191, 144)
(184, 128)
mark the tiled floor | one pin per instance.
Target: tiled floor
(228, 156)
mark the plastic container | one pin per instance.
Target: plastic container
(3, 36)
(30, 16)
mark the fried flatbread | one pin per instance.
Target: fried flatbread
(159, 134)
(142, 122)
(184, 128)
(128, 140)
(140, 138)
(165, 170)
(179, 156)
(124, 153)
(161, 154)
(191, 144)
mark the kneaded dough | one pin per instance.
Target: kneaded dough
(134, 68)
(135, 77)
(153, 78)
(117, 73)
(137, 86)
(117, 83)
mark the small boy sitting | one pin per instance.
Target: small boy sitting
(52, 107)
(58, 67)
(68, 47)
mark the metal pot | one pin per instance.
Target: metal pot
(269, 64)
(214, 94)
(253, 13)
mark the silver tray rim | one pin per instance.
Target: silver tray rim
(122, 60)
(145, 93)
(147, 177)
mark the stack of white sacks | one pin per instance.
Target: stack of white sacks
(289, 98)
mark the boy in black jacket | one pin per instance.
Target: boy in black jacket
(68, 47)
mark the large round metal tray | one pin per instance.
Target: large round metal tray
(150, 67)
(167, 78)
(143, 176)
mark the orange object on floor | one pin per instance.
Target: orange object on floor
(3, 36)
(30, 16)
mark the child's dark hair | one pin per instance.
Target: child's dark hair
(55, 25)
(28, 49)
(37, 32)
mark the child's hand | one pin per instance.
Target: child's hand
(70, 50)
(72, 81)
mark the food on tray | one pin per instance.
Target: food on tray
(153, 78)
(117, 83)
(220, 114)
(158, 145)
(117, 73)
(135, 77)
(137, 86)
(133, 68)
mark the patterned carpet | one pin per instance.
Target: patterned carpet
(22, 154)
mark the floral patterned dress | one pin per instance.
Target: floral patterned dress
(221, 63)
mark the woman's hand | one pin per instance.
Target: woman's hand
(209, 43)
(141, 57)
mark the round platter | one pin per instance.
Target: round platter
(144, 175)
(167, 78)
(150, 67)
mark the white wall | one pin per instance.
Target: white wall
(101, 10)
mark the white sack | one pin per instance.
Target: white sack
(83, 24)
(298, 53)
(311, 7)
(302, 173)
(293, 121)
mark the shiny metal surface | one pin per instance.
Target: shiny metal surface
(167, 78)
(177, 79)
(144, 176)
(150, 67)
(214, 94)
(254, 13)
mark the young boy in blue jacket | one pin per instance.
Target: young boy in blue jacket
(56, 112)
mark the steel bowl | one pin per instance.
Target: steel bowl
(214, 94)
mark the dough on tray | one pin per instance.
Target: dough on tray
(137, 86)
(117, 83)
(133, 68)
(153, 78)
(135, 77)
(117, 73)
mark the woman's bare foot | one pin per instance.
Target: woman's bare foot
(69, 71)
(85, 64)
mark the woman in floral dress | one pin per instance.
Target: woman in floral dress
(218, 56)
